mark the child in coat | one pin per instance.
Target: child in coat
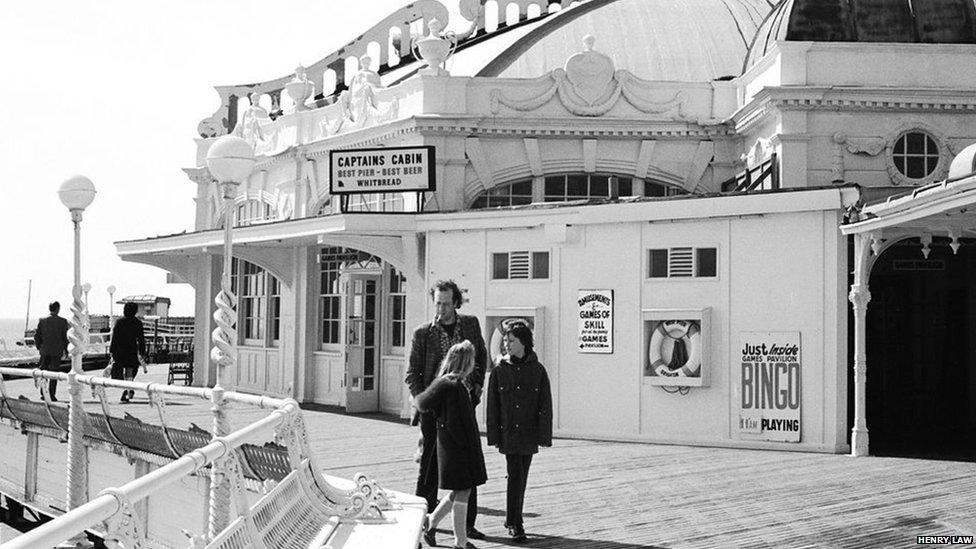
(460, 461)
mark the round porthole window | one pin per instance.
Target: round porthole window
(915, 155)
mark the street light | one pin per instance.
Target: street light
(111, 307)
(76, 193)
(86, 287)
(230, 160)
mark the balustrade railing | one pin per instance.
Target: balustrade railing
(395, 33)
(287, 469)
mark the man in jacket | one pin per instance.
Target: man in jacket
(430, 343)
(51, 340)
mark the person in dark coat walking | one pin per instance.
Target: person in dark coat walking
(51, 340)
(128, 347)
(519, 417)
(460, 461)
(429, 346)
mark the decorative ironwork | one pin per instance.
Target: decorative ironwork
(125, 525)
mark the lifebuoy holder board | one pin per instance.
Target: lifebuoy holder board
(666, 332)
(492, 329)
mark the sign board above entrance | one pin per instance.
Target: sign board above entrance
(381, 170)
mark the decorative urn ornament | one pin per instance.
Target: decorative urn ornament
(435, 48)
(300, 89)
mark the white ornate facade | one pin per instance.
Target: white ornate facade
(650, 112)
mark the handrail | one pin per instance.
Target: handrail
(112, 501)
(115, 506)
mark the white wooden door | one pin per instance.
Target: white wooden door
(362, 343)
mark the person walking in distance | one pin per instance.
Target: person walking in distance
(430, 344)
(460, 461)
(51, 340)
(128, 347)
(519, 417)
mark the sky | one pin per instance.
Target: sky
(113, 90)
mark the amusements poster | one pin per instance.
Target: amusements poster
(769, 386)
(595, 321)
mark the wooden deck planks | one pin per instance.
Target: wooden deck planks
(603, 495)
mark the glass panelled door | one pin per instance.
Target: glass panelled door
(362, 339)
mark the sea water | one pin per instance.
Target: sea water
(12, 330)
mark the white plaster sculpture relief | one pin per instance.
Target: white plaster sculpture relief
(435, 48)
(759, 152)
(256, 127)
(284, 206)
(359, 104)
(837, 174)
(472, 11)
(590, 86)
(871, 146)
(300, 89)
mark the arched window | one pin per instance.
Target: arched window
(512, 194)
(259, 310)
(252, 211)
(561, 188)
(566, 187)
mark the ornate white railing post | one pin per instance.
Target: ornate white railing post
(859, 298)
(77, 457)
(229, 159)
(76, 194)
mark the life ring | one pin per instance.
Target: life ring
(496, 345)
(658, 358)
(496, 348)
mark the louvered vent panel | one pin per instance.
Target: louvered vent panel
(681, 262)
(518, 265)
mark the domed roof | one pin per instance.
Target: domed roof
(964, 164)
(898, 21)
(675, 40)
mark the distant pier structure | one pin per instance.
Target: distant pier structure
(149, 305)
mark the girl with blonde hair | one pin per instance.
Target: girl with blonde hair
(460, 461)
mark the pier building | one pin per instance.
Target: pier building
(673, 192)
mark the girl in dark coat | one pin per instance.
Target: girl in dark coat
(460, 462)
(128, 347)
(519, 417)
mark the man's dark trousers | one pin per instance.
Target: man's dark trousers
(51, 363)
(427, 481)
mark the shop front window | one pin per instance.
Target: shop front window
(330, 298)
(398, 310)
(259, 304)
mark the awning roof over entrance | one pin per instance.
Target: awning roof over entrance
(268, 244)
(945, 208)
(277, 233)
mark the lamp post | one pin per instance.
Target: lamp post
(86, 287)
(76, 194)
(111, 307)
(230, 160)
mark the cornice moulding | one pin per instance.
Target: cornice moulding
(809, 98)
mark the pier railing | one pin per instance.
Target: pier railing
(294, 487)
